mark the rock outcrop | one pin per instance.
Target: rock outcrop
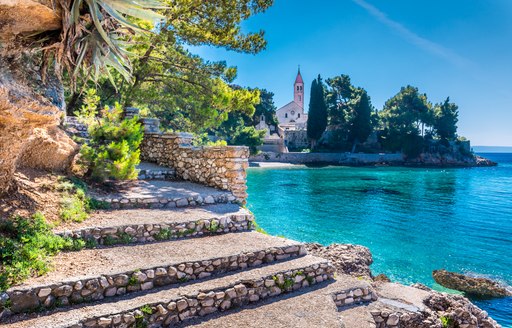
(457, 311)
(28, 16)
(475, 286)
(349, 259)
(26, 104)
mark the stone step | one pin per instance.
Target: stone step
(147, 225)
(94, 274)
(150, 171)
(165, 307)
(162, 194)
(316, 308)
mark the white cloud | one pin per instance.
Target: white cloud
(413, 38)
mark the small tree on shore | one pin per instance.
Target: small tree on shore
(445, 119)
(317, 115)
(359, 118)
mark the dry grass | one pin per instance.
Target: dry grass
(35, 192)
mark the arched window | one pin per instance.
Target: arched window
(285, 115)
(298, 88)
(298, 115)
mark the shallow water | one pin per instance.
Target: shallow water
(413, 220)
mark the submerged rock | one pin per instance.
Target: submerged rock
(476, 286)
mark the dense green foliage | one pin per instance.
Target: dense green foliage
(26, 246)
(350, 113)
(113, 151)
(407, 123)
(75, 204)
(317, 119)
(266, 108)
(250, 137)
(404, 118)
(186, 92)
(445, 119)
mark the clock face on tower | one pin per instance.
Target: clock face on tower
(293, 112)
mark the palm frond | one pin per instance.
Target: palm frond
(99, 37)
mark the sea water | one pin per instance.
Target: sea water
(414, 220)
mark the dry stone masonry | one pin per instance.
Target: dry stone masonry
(219, 167)
(206, 302)
(353, 296)
(159, 202)
(94, 289)
(139, 233)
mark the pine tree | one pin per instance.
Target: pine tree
(359, 118)
(317, 115)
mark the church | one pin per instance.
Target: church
(290, 134)
(291, 117)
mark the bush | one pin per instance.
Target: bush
(26, 246)
(250, 137)
(113, 152)
(75, 205)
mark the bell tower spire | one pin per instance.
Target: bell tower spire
(298, 90)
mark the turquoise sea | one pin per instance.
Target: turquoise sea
(414, 220)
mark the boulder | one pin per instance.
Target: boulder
(30, 112)
(475, 286)
(349, 259)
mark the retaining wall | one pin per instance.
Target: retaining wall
(330, 158)
(218, 167)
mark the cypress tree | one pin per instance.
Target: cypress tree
(317, 114)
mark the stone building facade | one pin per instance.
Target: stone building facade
(292, 116)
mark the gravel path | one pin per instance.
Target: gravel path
(162, 189)
(314, 308)
(90, 263)
(121, 304)
(117, 218)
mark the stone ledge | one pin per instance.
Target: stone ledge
(159, 202)
(206, 302)
(164, 231)
(107, 286)
(356, 295)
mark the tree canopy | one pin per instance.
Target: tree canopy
(445, 119)
(317, 114)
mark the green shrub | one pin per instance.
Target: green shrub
(26, 246)
(113, 152)
(74, 207)
(250, 137)
(446, 322)
(163, 234)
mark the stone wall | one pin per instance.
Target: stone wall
(354, 296)
(330, 158)
(138, 233)
(219, 167)
(185, 307)
(93, 289)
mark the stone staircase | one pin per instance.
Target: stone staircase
(163, 267)
(195, 260)
(151, 171)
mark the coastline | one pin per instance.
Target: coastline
(282, 160)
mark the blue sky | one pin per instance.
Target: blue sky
(456, 48)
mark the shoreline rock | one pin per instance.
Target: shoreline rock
(349, 259)
(438, 310)
(360, 159)
(475, 286)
